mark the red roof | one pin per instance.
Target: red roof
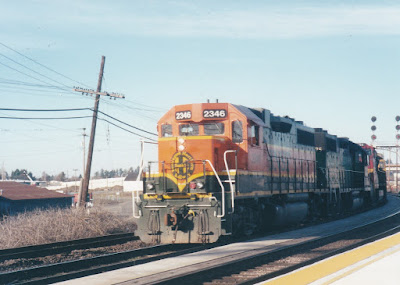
(18, 191)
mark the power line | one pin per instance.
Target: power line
(49, 118)
(13, 88)
(57, 87)
(42, 65)
(22, 92)
(154, 134)
(29, 75)
(46, 110)
(129, 109)
(72, 109)
(30, 84)
(136, 108)
(35, 122)
(126, 129)
(33, 70)
(149, 106)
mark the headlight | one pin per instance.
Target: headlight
(181, 147)
(150, 186)
(200, 185)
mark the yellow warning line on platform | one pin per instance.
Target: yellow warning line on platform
(331, 265)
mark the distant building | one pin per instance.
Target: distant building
(16, 197)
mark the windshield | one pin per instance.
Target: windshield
(188, 130)
(214, 128)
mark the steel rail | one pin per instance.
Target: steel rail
(89, 266)
(323, 256)
(60, 247)
(233, 270)
(80, 268)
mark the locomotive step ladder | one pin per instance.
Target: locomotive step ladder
(230, 180)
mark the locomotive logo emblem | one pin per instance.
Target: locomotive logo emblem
(182, 165)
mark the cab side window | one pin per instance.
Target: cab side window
(237, 132)
(254, 135)
(166, 130)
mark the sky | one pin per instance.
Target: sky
(331, 64)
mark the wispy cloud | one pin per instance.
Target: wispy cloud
(275, 23)
(173, 19)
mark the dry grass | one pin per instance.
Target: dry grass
(56, 225)
(110, 197)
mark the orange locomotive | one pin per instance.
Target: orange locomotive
(224, 169)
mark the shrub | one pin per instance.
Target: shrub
(55, 225)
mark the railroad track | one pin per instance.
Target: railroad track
(65, 246)
(78, 268)
(262, 264)
(276, 259)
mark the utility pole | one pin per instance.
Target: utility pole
(83, 191)
(84, 150)
(76, 178)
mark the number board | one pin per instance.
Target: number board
(221, 113)
(183, 115)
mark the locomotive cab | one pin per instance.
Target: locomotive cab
(192, 142)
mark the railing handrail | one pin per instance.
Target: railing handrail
(134, 199)
(222, 190)
(141, 166)
(229, 178)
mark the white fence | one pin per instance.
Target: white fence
(93, 184)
